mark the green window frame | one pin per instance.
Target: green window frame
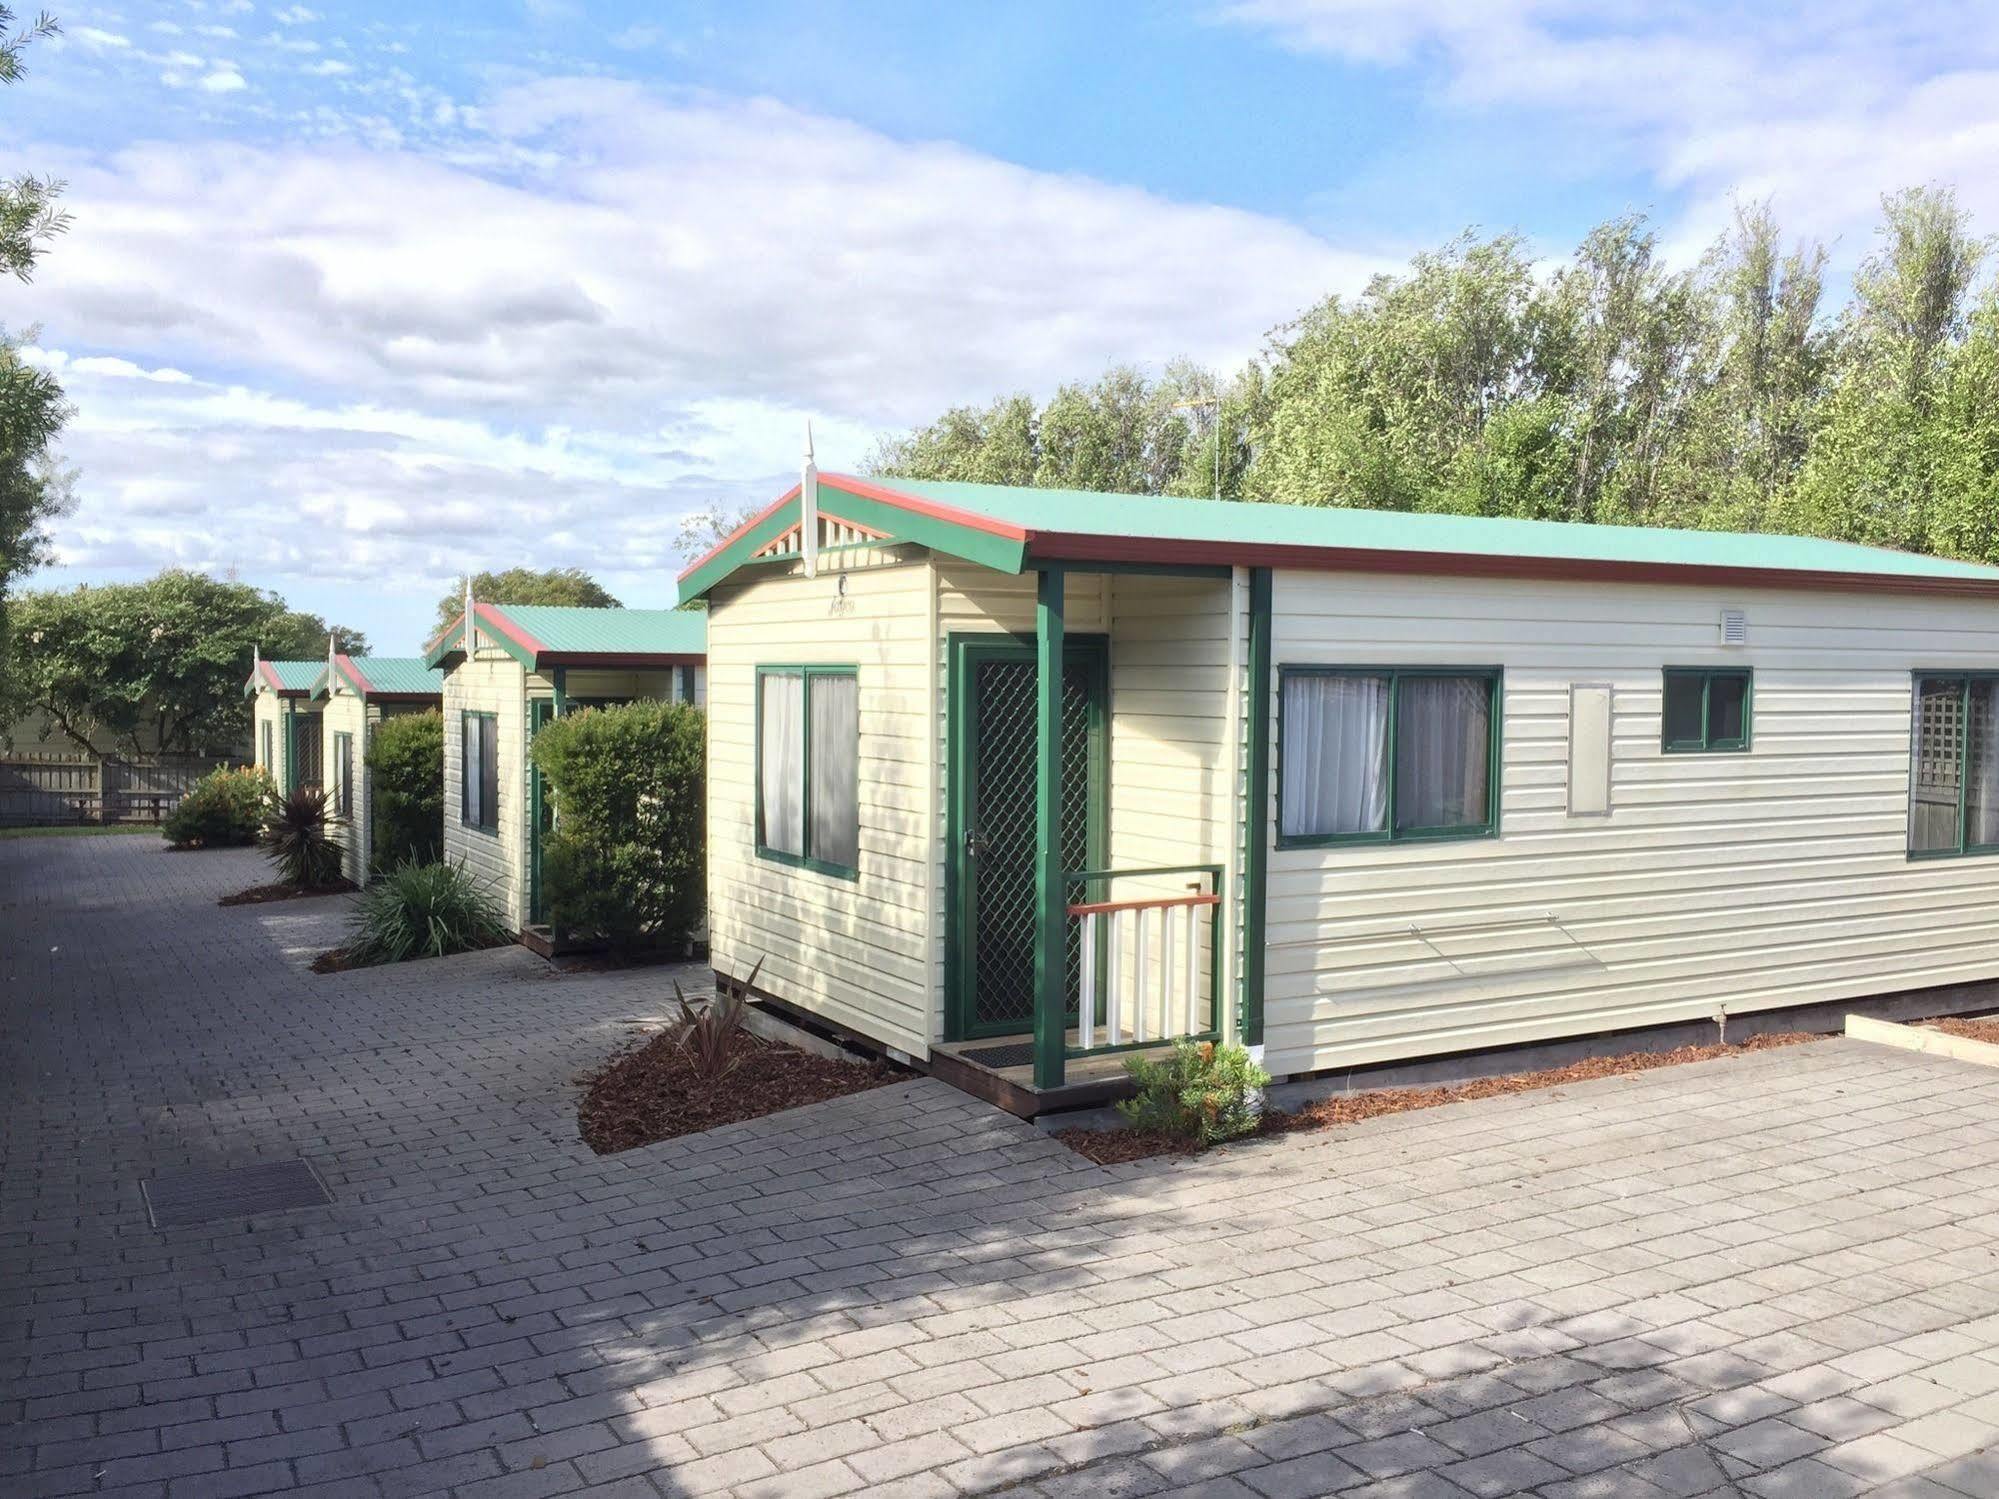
(1946, 754)
(487, 819)
(807, 856)
(343, 774)
(1392, 830)
(1703, 678)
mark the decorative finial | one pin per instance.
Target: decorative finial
(808, 507)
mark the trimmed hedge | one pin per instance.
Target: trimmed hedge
(224, 809)
(406, 790)
(628, 858)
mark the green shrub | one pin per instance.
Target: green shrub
(406, 790)
(224, 809)
(627, 860)
(1202, 1092)
(297, 837)
(423, 911)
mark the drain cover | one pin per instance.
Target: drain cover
(177, 1199)
(1013, 1054)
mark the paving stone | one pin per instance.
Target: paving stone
(1767, 1275)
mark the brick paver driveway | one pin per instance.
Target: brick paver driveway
(1772, 1275)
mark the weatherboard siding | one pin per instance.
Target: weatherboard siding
(853, 950)
(267, 707)
(343, 712)
(1736, 881)
(492, 682)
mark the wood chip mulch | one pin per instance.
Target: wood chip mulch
(1979, 1028)
(1112, 1147)
(263, 895)
(652, 1094)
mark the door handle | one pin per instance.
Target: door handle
(974, 845)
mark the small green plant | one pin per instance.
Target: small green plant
(708, 1035)
(224, 809)
(406, 790)
(423, 911)
(1202, 1092)
(297, 837)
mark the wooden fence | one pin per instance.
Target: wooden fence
(62, 790)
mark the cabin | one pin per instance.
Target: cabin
(507, 670)
(284, 726)
(1008, 782)
(354, 694)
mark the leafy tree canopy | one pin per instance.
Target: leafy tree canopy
(159, 664)
(1613, 388)
(33, 486)
(524, 585)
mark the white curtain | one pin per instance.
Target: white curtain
(1335, 755)
(836, 771)
(782, 772)
(1443, 739)
(472, 754)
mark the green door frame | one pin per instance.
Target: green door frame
(965, 652)
(540, 711)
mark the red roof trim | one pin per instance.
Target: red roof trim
(754, 521)
(1057, 546)
(439, 638)
(489, 614)
(970, 519)
(354, 674)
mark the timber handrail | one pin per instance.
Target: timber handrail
(1147, 991)
(1105, 907)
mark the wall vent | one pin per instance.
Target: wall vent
(1734, 627)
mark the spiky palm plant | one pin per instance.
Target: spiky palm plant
(297, 837)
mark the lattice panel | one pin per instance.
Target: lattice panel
(1003, 812)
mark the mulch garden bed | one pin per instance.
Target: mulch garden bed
(651, 1093)
(1976, 1028)
(263, 895)
(1112, 1147)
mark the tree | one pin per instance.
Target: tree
(524, 585)
(159, 664)
(33, 487)
(1896, 442)
(704, 530)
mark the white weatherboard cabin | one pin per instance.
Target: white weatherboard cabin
(354, 694)
(284, 728)
(1009, 780)
(510, 668)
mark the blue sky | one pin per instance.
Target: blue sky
(359, 295)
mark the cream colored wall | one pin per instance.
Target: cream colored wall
(853, 950)
(1170, 801)
(493, 683)
(267, 707)
(344, 712)
(1736, 881)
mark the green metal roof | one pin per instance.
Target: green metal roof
(564, 630)
(1014, 529)
(556, 635)
(391, 676)
(284, 676)
(1078, 512)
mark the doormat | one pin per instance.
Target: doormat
(1012, 1054)
(179, 1199)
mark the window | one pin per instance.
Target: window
(268, 759)
(1954, 765)
(808, 766)
(479, 771)
(1706, 711)
(1375, 753)
(343, 774)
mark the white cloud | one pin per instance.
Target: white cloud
(328, 67)
(602, 312)
(1822, 108)
(223, 80)
(92, 36)
(294, 15)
